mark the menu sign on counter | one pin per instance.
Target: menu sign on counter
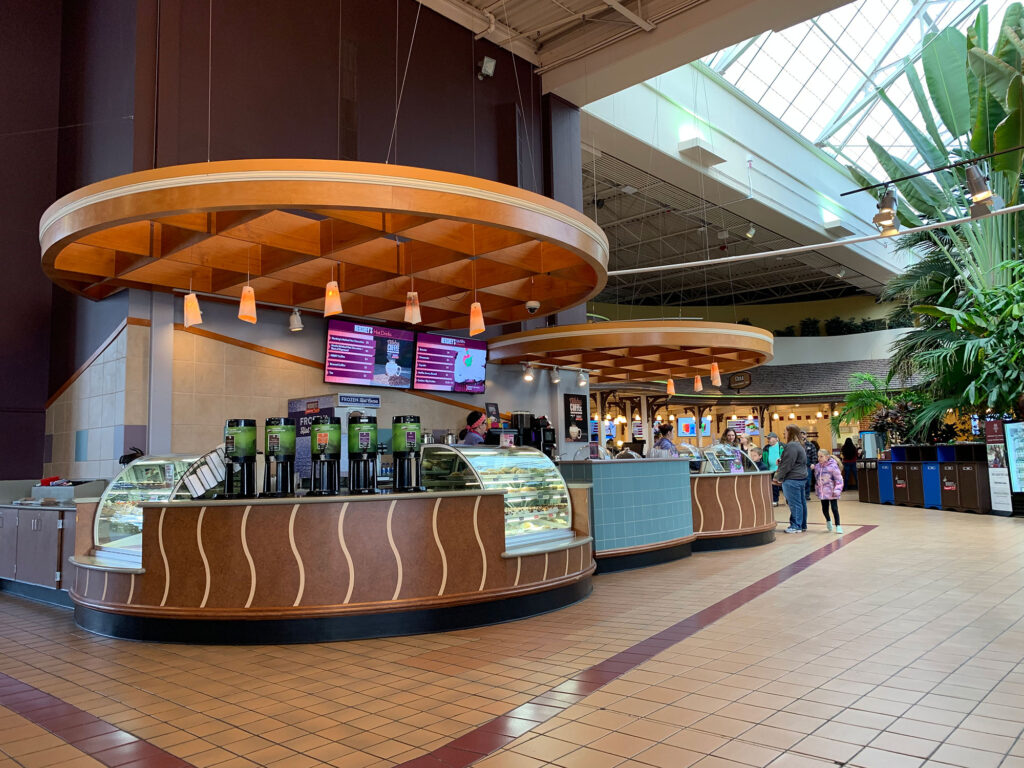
(368, 354)
(450, 364)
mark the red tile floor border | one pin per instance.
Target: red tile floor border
(95, 737)
(495, 734)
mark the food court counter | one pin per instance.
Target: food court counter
(314, 569)
(732, 510)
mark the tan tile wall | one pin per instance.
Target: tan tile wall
(214, 381)
(111, 392)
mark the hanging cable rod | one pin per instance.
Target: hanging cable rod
(957, 164)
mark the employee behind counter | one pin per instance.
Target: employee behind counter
(476, 427)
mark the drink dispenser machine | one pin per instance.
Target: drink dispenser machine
(325, 451)
(362, 454)
(406, 440)
(239, 459)
(279, 457)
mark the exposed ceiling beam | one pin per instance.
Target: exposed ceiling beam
(645, 25)
(485, 25)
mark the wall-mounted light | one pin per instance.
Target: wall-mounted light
(295, 321)
(527, 373)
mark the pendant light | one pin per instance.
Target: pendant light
(412, 308)
(193, 315)
(476, 312)
(716, 377)
(295, 322)
(332, 297)
(698, 385)
(247, 304)
(670, 387)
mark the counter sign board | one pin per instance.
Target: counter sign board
(576, 430)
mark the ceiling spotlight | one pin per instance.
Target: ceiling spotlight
(581, 379)
(295, 322)
(751, 231)
(486, 68)
(977, 185)
(841, 273)
(527, 373)
(888, 202)
(555, 376)
(892, 228)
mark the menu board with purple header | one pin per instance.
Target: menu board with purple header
(368, 354)
(450, 364)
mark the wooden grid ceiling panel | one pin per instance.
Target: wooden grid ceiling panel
(287, 227)
(649, 350)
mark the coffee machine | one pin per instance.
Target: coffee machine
(239, 459)
(362, 454)
(325, 451)
(406, 438)
(534, 432)
(279, 457)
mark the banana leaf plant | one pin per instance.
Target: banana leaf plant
(964, 287)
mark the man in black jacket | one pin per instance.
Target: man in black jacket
(792, 476)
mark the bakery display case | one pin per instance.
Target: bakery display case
(536, 497)
(726, 459)
(118, 525)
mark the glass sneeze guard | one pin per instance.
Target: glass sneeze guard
(536, 498)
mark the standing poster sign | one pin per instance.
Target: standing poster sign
(996, 443)
(576, 428)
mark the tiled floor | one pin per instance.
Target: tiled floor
(903, 647)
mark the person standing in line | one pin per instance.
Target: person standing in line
(792, 476)
(849, 453)
(828, 484)
(772, 454)
(755, 456)
(811, 451)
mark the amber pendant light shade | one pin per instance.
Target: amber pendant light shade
(716, 377)
(247, 305)
(670, 387)
(476, 319)
(698, 385)
(332, 299)
(412, 308)
(193, 315)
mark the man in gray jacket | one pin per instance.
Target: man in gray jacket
(792, 476)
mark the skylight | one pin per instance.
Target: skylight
(821, 77)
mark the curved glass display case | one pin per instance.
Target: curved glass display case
(726, 459)
(118, 523)
(536, 499)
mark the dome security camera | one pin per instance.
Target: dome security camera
(532, 306)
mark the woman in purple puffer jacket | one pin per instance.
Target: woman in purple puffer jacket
(828, 484)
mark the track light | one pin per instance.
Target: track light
(892, 228)
(977, 185)
(581, 379)
(751, 231)
(193, 315)
(295, 322)
(841, 273)
(555, 376)
(527, 373)
(888, 202)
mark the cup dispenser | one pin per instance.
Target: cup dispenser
(239, 459)
(325, 452)
(279, 457)
(362, 454)
(406, 440)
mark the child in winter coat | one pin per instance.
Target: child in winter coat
(828, 484)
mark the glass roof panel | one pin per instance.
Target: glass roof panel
(821, 77)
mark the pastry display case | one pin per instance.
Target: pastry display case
(536, 498)
(150, 479)
(721, 458)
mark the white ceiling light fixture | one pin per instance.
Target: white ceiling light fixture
(295, 322)
(556, 376)
(751, 231)
(527, 373)
(581, 379)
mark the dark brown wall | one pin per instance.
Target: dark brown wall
(30, 32)
(317, 79)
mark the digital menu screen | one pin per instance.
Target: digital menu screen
(449, 364)
(368, 355)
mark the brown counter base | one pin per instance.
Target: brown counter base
(627, 561)
(734, 542)
(328, 628)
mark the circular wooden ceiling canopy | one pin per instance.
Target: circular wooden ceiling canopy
(294, 225)
(644, 350)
